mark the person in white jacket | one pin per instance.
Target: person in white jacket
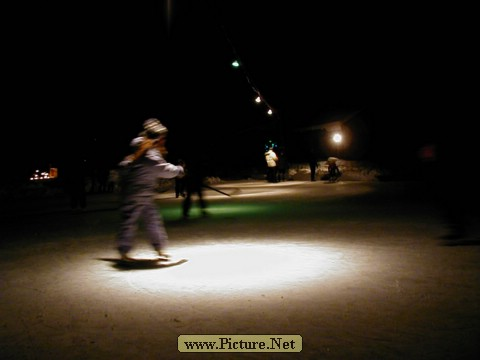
(139, 174)
(271, 159)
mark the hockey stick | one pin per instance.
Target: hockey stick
(219, 191)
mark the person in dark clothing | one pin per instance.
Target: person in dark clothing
(334, 172)
(457, 190)
(194, 181)
(75, 184)
(282, 167)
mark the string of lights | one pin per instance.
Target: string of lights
(238, 64)
(259, 99)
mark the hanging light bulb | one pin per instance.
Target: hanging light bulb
(258, 99)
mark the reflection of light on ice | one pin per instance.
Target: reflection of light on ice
(237, 267)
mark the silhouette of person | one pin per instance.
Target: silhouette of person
(333, 170)
(102, 177)
(194, 181)
(112, 182)
(271, 159)
(456, 189)
(282, 167)
(313, 163)
(139, 174)
(75, 183)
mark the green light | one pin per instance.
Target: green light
(235, 64)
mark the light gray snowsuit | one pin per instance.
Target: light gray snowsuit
(139, 179)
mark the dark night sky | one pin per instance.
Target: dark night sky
(81, 77)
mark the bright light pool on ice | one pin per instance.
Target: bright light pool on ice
(239, 267)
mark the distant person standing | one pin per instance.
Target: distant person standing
(456, 188)
(282, 167)
(333, 170)
(139, 174)
(75, 184)
(313, 163)
(112, 182)
(194, 181)
(271, 159)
